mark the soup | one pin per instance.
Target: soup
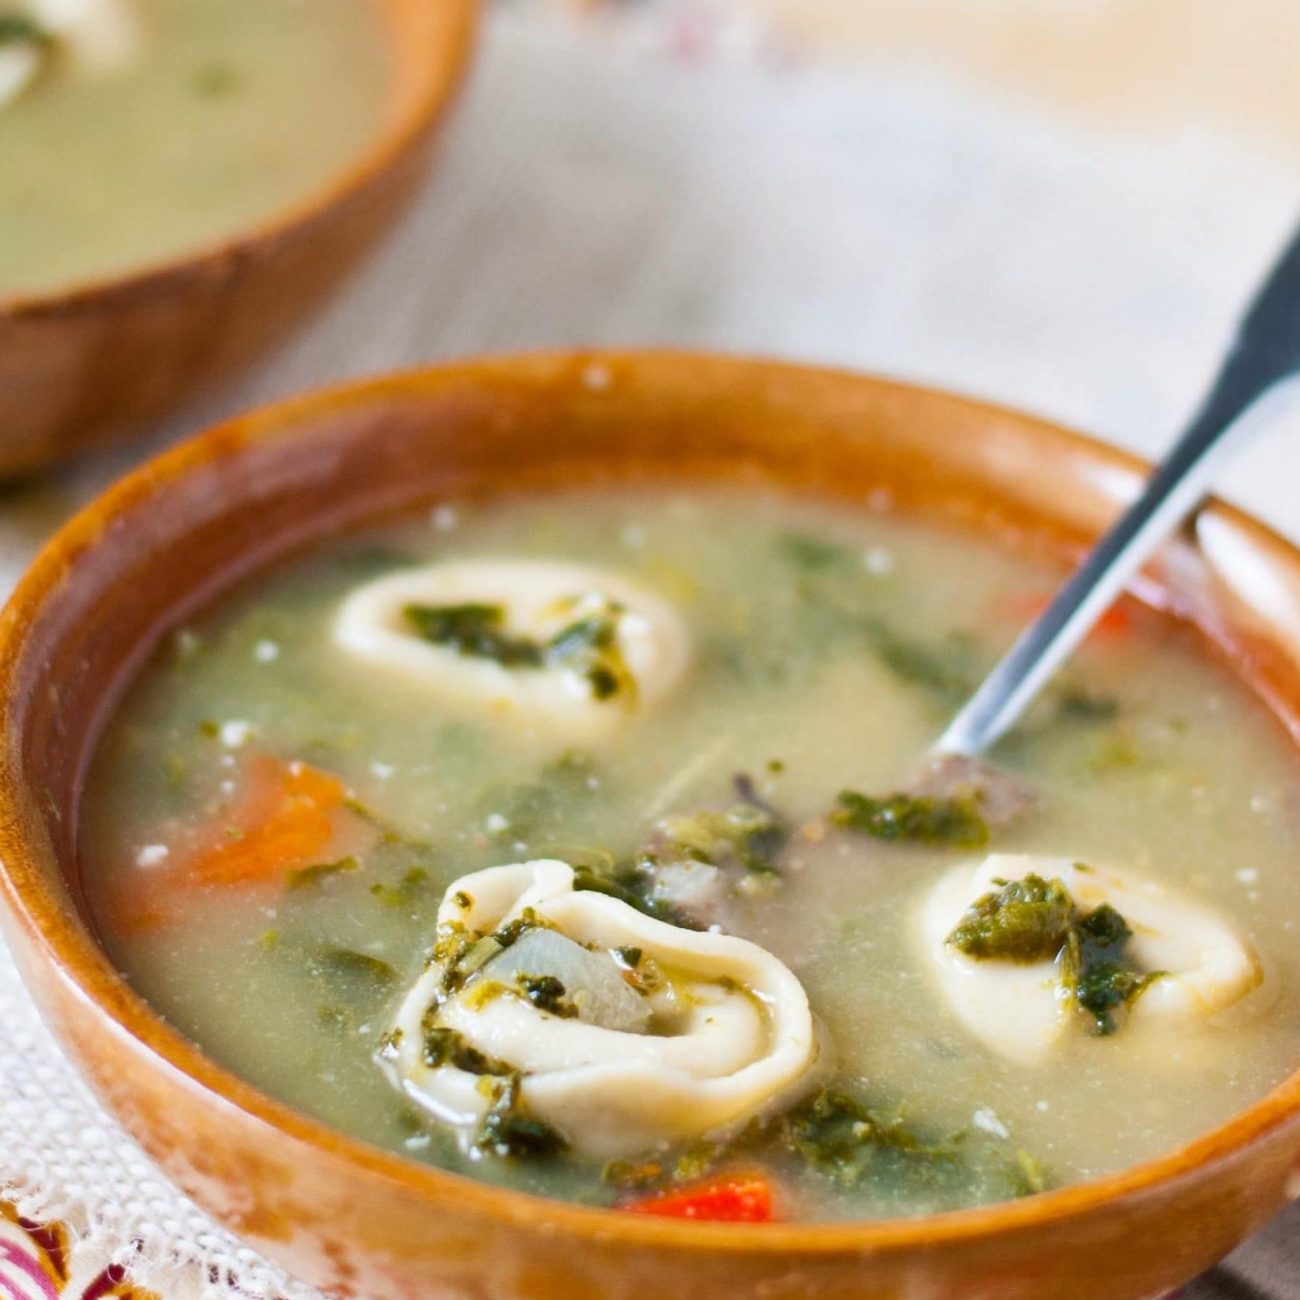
(133, 131)
(582, 842)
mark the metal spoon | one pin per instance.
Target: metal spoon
(1259, 376)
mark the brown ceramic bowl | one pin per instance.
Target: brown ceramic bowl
(363, 1223)
(89, 363)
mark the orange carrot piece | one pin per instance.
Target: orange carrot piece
(1025, 606)
(283, 824)
(285, 820)
(731, 1198)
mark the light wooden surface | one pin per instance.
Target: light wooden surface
(1132, 63)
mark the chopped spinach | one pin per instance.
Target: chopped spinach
(409, 886)
(509, 1132)
(948, 672)
(750, 833)
(839, 1136)
(631, 883)
(442, 1046)
(547, 993)
(1095, 963)
(354, 973)
(473, 629)
(657, 1172)
(1033, 920)
(1022, 921)
(589, 643)
(925, 819)
(744, 833)
(305, 877)
(461, 953)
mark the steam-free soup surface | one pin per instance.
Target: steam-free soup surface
(227, 112)
(828, 646)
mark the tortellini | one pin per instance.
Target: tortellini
(616, 1030)
(566, 647)
(95, 37)
(1196, 965)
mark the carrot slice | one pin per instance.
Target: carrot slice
(1025, 606)
(284, 823)
(733, 1198)
(289, 816)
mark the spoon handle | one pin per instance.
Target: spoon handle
(1258, 376)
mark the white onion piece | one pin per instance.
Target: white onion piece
(1021, 1011)
(539, 598)
(732, 1036)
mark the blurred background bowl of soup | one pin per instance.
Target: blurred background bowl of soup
(181, 181)
(361, 1221)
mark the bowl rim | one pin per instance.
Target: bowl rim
(81, 961)
(400, 129)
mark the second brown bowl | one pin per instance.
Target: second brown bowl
(92, 363)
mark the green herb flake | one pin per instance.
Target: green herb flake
(547, 993)
(1033, 919)
(750, 833)
(307, 877)
(1096, 968)
(588, 644)
(442, 1046)
(1022, 921)
(924, 819)
(412, 883)
(474, 630)
(509, 1132)
(1027, 1175)
(353, 972)
(658, 1172)
(839, 1136)
(948, 671)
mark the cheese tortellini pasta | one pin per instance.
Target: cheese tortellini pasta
(563, 646)
(549, 1013)
(1181, 963)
